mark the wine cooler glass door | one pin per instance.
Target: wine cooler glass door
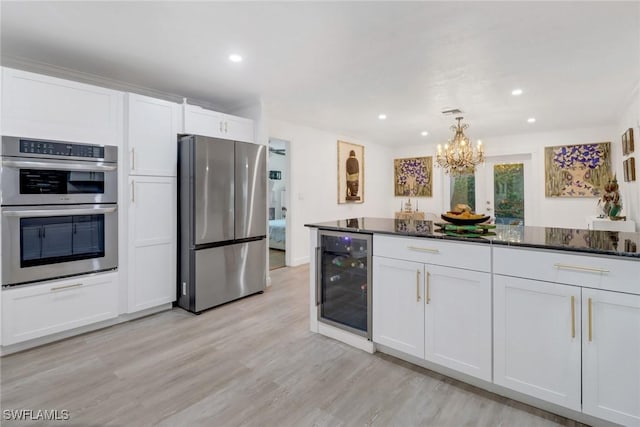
(344, 281)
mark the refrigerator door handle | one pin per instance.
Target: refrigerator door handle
(318, 277)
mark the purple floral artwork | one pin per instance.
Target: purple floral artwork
(413, 177)
(579, 170)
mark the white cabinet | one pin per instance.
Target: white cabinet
(152, 129)
(152, 241)
(537, 339)
(611, 356)
(438, 313)
(458, 320)
(398, 305)
(200, 121)
(38, 106)
(33, 311)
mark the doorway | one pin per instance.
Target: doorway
(503, 184)
(278, 202)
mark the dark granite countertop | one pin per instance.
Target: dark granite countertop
(564, 239)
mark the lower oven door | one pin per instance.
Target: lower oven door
(48, 242)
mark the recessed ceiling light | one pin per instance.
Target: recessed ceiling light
(424, 133)
(382, 116)
(531, 119)
(235, 58)
(516, 92)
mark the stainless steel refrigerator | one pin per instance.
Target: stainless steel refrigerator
(222, 221)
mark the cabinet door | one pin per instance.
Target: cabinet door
(38, 106)
(458, 320)
(398, 305)
(238, 128)
(611, 356)
(537, 339)
(152, 131)
(34, 311)
(199, 121)
(152, 242)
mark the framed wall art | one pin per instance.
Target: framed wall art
(413, 177)
(627, 142)
(350, 172)
(629, 167)
(579, 170)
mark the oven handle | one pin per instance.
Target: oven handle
(58, 165)
(58, 212)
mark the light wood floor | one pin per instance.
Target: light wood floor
(252, 362)
(276, 259)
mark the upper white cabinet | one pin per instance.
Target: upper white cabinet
(611, 356)
(200, 121)
(398, 305)
(38, 106)
(537, 339)
(152, 129)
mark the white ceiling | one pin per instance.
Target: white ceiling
(337, 65)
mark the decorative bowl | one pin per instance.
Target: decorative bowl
(464, 221)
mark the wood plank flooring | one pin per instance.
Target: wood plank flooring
(249, 363)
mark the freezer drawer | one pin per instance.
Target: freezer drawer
(225, 273)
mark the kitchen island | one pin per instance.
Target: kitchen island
(548, 316)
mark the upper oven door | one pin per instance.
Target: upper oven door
(42, 181)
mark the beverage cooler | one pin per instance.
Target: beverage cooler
(343, 282)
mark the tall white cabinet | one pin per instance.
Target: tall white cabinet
(151, 147)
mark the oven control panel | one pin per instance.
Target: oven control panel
(61, 149)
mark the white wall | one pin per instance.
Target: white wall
(547, 211)
(629, 191)
(313, 185)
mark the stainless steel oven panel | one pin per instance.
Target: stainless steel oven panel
(10, 173)
(11, 147)
(13, 273)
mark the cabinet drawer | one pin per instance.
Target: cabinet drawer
(434, 251)
(34, 311)
(620, 275)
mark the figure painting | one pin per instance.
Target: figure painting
(577, 170)
(350, 172)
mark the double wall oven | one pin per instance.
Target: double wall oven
(58, 209)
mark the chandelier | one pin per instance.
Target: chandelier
(458, 156)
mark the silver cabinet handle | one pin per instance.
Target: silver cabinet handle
(133, 158)
(133, 191)
(96, 167)
(580, 268)
(220, 126)
(59, 288)
(417, 285)
(58, 212)
(416, 248)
